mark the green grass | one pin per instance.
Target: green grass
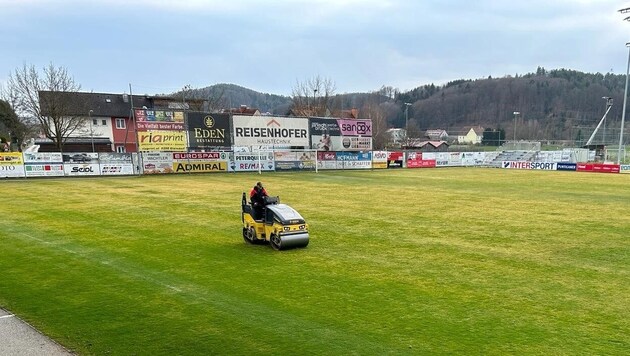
(465, 261)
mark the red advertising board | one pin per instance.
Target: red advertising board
(598, 167)
(414, 160)
(394, 159)
(421, 163)
(326, 156)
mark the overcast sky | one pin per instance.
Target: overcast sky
(159, 46)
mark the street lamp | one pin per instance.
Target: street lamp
(516, 113)
(609, 103)
(625, 93)
(625, 99)
(91, 132)
(407, 105)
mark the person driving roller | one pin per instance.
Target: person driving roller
(257, 197)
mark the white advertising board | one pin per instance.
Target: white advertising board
(270, 131)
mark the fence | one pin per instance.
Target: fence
(55, 164)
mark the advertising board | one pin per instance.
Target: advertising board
(81, 164)
(270, 131)
(329, 134)
(207, 130)
(11, 165)
(251, 162)
(200, 162)
(112, 163)
(43, 164)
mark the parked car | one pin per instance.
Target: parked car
(80, 157)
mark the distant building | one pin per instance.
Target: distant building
(426, 146)
(473, 136)
(243, 110)
(108, 124)
(436, 135)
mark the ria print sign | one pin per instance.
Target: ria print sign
(270, 130)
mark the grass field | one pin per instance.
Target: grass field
(465, 261)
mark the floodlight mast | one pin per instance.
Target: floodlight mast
(609, 104)
(625, 93)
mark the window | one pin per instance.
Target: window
(94, 122)
(104, 122)
(120, 149)
(120, 123)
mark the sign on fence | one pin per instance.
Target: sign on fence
(270, 131)
(43, 164)
(113, 163)
(11, 165)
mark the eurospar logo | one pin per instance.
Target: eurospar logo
(529, 165)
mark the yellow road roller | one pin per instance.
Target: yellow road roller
(279, 224)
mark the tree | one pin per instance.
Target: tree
(55, 113)
(373, 110)
(313, 97)
(11, 128)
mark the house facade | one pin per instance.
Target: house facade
(473, 136)
(107, 121)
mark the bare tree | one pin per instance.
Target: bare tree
(55, 113)
(313, 97)
(374, 111)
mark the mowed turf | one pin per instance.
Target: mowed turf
(465, 261)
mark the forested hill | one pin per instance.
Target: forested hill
(554, 104)
(233, 96)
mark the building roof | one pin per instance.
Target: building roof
(463, 131)
(101, 104)
(109, 105)
(243, 110)
(417, 143)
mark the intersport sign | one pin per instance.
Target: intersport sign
(547, 166)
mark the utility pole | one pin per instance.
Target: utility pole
(91, 131)
(625, 93)
(516, 113)
(407, 105)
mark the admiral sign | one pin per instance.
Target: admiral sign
(208, 130)
(200, 162)
(270, 131)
